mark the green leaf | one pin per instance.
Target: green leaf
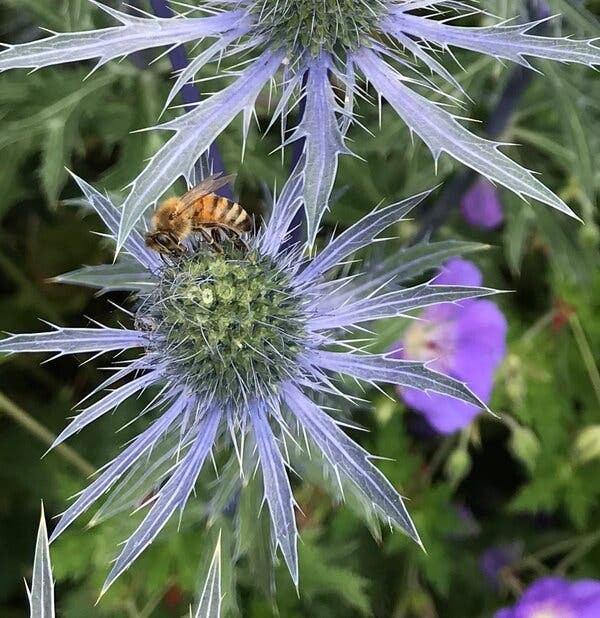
(577, 136)
(517, 229)
(319, 575)
(577, 14)
(209, 603)
(54, 156)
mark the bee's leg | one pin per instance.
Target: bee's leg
(207, 235)
(217, 240)
(239, 242)
(204, 234)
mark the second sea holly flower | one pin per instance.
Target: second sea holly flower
(320, 50)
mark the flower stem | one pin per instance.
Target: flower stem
(34, 427)
(190, 93)
(586, 353)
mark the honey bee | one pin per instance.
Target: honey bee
(199, 211)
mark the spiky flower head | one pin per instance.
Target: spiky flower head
(236, 345)
(308, 47)
(235, 309)
(333, 26)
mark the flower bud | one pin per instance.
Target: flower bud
(458, 465)
(525, 446)
(589, 234)
(587, 444)
(514, 383)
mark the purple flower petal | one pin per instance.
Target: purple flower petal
(459, 272)
(494, 560)
(466, 340)
(446, 415)
(554, 597)
(481, 205)
(585, 597)
(480, 345)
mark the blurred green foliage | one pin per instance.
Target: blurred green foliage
(530, 476)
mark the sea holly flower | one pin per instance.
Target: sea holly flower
(554, 597)
(465, 340)
(481, 205)
(236, 345)
(393, 44)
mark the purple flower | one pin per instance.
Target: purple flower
(235, 344)
(308, 43)
(554, 597)
(464, 340)
(481, 205)
(494, 560)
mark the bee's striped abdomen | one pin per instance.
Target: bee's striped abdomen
(219, 210)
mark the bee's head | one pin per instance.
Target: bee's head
(165, 243)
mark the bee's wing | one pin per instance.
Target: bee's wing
(208, 185)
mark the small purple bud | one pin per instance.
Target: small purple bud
(465, 340)
(481, 206)
(495, 559)
(542, 10)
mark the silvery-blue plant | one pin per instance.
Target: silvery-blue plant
(41, 593)
(317, 50)
(242, 351)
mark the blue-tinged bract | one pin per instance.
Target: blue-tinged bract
(312, 46)
(237, 344)
(41, 594)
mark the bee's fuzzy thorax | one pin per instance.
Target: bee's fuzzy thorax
(165, 218)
